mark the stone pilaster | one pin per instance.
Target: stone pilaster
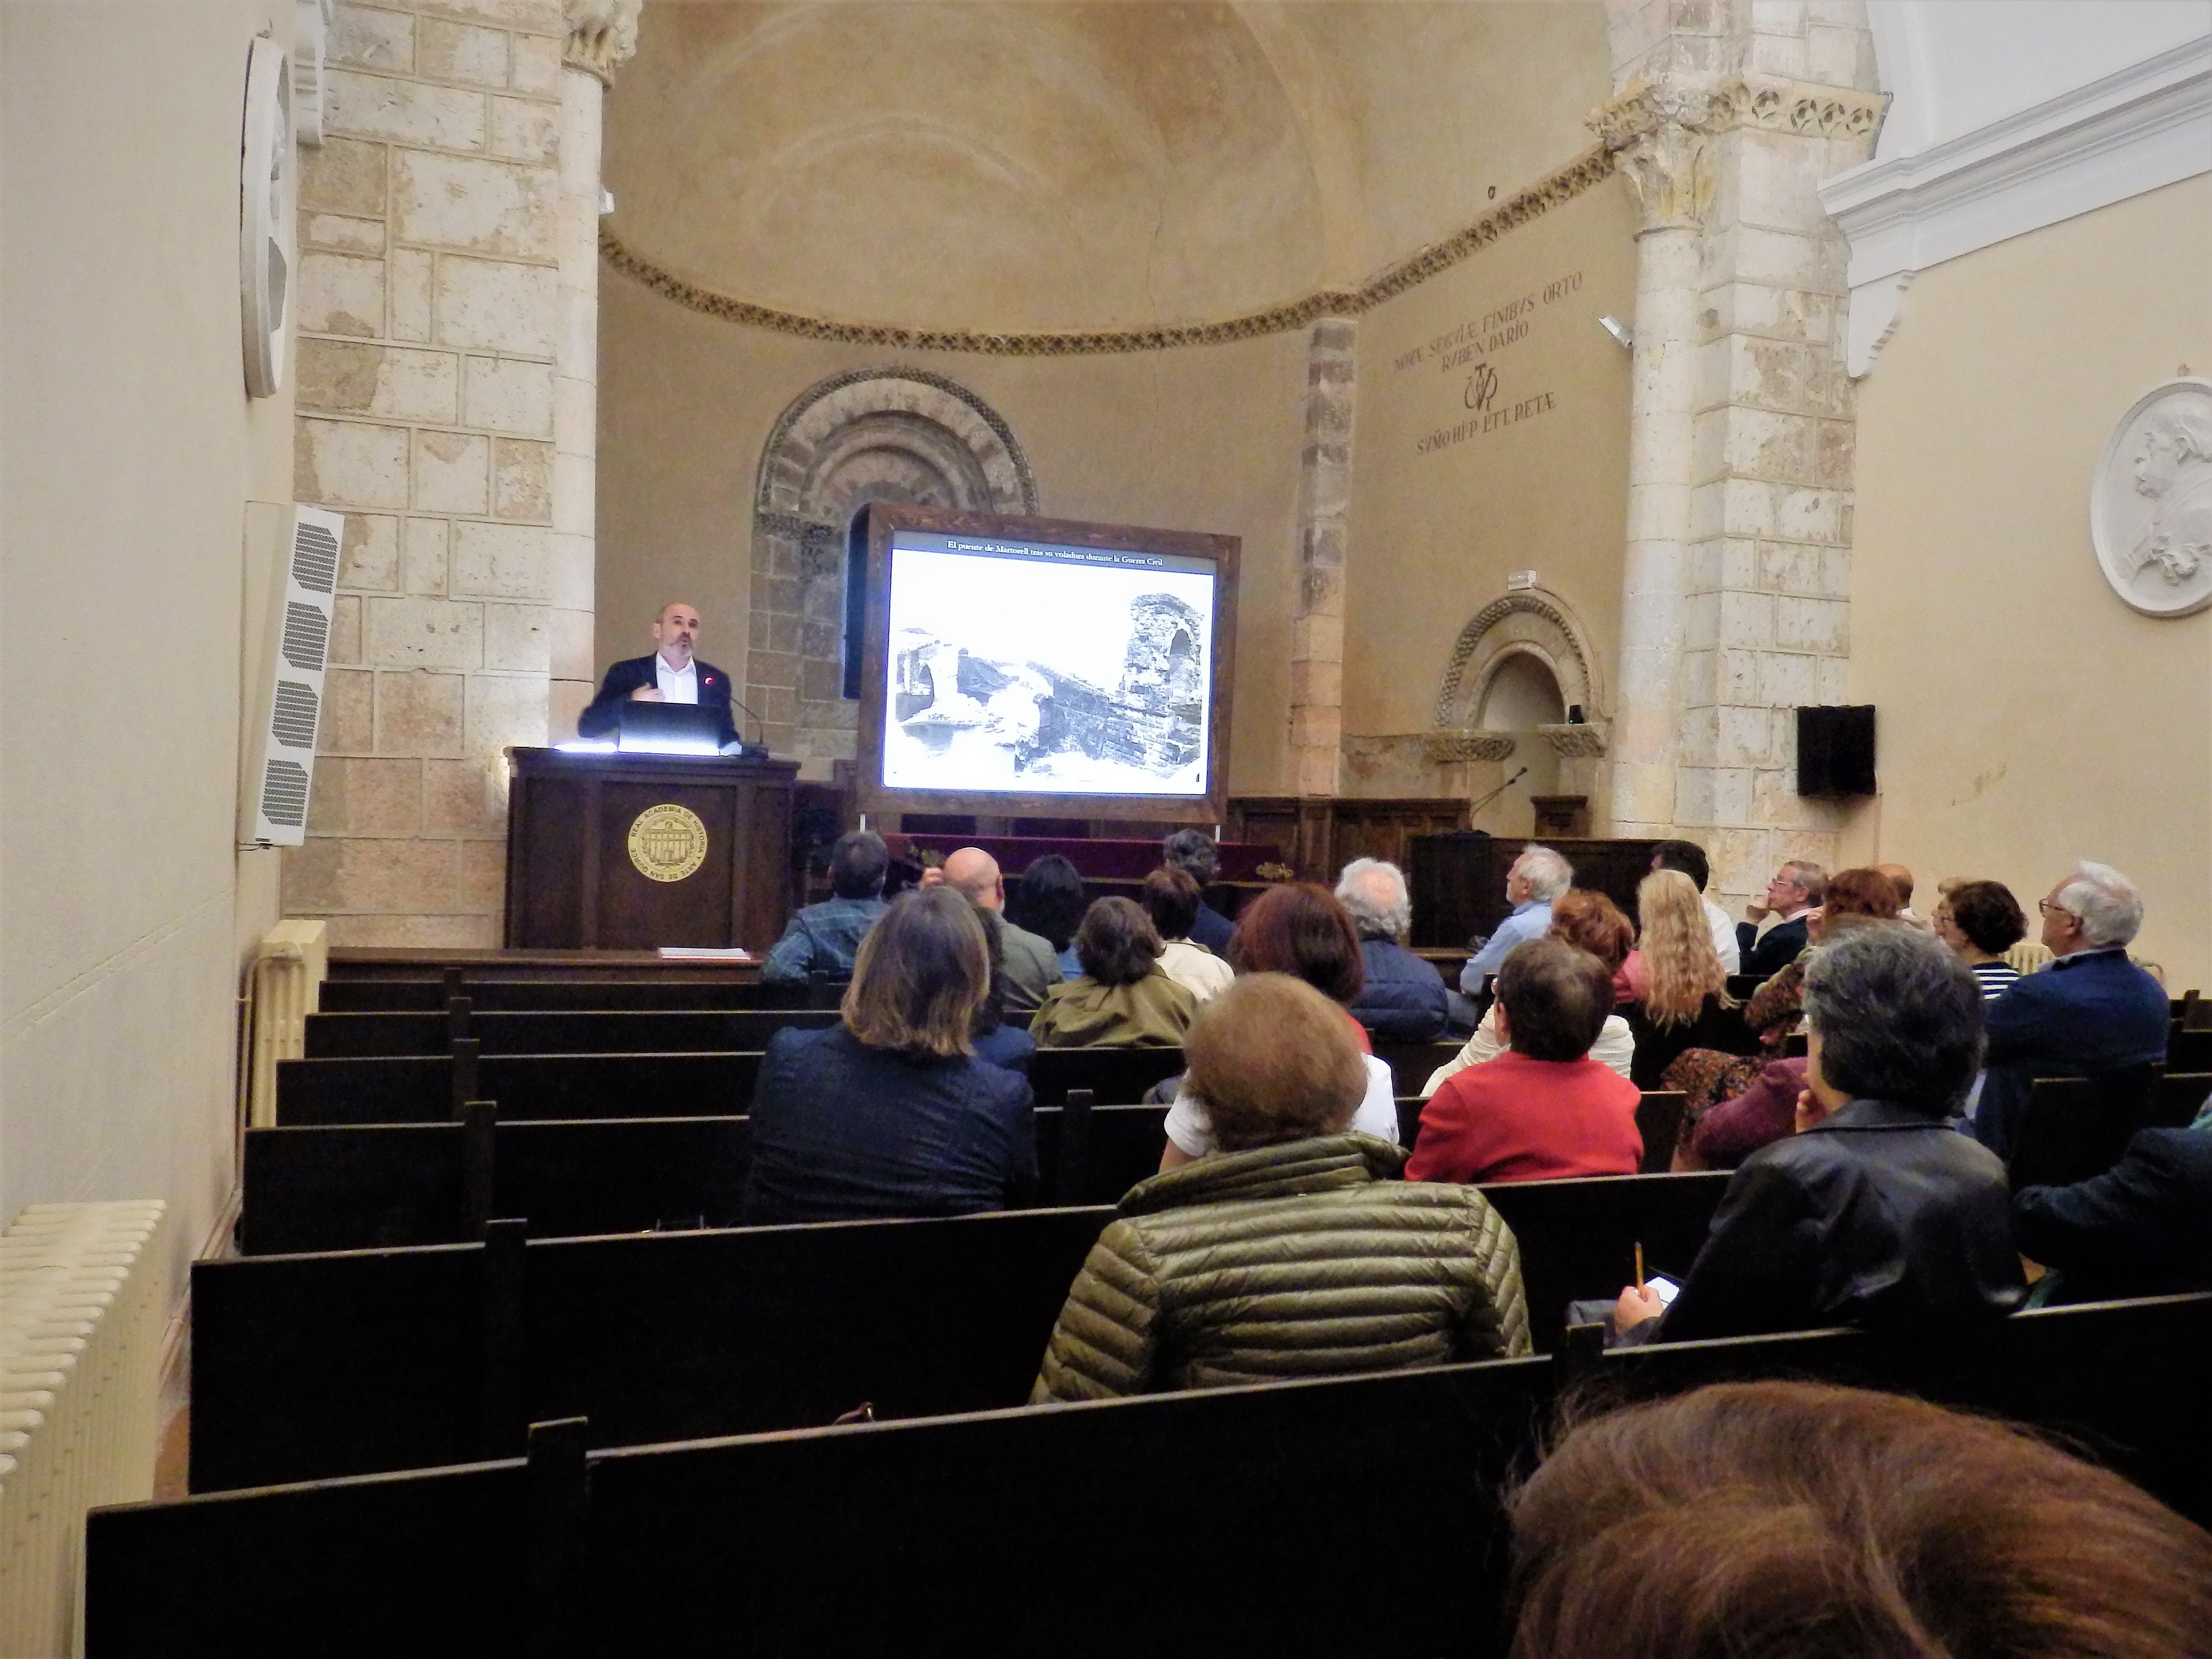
(1736, 584)
(429, 317)
(1324, 506)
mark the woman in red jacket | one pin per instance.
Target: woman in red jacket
(1545, 1108)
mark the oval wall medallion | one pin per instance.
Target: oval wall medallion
(2150, 506)
(667, 842)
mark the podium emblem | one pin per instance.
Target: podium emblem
(667, 842)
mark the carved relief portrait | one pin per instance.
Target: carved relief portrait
(2150, 511)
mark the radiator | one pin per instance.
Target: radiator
(283, 987)
(82, 1320)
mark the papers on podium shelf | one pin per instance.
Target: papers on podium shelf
(704, 953)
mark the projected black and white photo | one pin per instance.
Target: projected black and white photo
(1081, 671)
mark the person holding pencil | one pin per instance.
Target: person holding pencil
(1875, 1211)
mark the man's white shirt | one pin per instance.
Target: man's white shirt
(676, 685)
(1731, 955)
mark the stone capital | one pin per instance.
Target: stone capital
(602, 35)
(1659, 132)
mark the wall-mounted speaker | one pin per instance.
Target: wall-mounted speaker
(1835, 750)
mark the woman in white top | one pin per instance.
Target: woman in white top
(1589, 921)
(1170, 897)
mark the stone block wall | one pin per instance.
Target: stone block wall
(428, 310)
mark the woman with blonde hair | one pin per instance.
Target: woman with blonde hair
(889, 1112)
(1686, 1003)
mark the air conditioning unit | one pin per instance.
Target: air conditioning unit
(279, 761)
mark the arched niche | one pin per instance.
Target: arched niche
(887, 435)
(1518, 672)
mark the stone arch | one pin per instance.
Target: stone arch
(870, 434)
(1532, 622)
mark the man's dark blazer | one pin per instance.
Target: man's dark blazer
(2142, 1228)
(604, 718)
(2089, 1014)
(1784, 944)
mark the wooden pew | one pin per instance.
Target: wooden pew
(398, 1358)
(2076, 1128)
(430, 995)
(544, 1031)
(863, 1539)
(1411, 1064)
(417, 1089)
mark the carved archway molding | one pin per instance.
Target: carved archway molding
(1527, 621)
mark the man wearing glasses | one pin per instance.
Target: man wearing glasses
(2091, 1012)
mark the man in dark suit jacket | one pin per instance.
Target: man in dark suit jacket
(1796, 891)
(2090, 1013)
(2142, 1228)
(1192, 851)
(670, 674)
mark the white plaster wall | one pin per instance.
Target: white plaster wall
(128, 449)
(1954, 65)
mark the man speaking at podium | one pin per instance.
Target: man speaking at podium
(670, 674)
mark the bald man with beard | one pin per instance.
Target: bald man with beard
(1031, 966)
(670, 674)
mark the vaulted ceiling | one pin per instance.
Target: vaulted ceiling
(969, 164)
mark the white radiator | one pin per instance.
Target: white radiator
(283, 987)
(81, 1319)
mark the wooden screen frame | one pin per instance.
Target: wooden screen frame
(1209, 807)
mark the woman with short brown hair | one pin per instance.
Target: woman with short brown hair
(1289, 1251)
(1796, 1521)
(1172, 899)
(889, 1113)
(1123, 998)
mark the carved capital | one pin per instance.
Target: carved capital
(1444, 747)
(602, 35)
(1772, 105)
(1659, 134)
(1577, 742)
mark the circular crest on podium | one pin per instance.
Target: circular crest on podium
(667, 842)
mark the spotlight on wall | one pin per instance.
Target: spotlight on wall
(1619, 330)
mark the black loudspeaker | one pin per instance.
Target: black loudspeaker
(1835, 750)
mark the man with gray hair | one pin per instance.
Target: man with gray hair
(1538, 876)
(1404, 999)
(2091, 1013)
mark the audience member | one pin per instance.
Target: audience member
(1686, 1002)
(1588, 921)
(1031, 964)
(889, 1113)
(1779, 1520)
(1875, 1211)
(2091, 1013)
(1538, 876)
(990, 1037)
(1901, 879)
(1690, 858)
(1290, 1252)
(1795, 890)
(1121, 999)
(1171, 898)
(1981, 921)
(2142, 1228)
(1547, 1109)
(1773, 1014)
(1297, 929)
(821, 941)
(1050, 901)
(1405, 998)
(1195, 854)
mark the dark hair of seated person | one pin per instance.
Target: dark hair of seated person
(923, 971)
(1116, 944)
(1170, 897)
(991, 1015)
(1556, 998)
(1273, 1059)
(1591, 921)
(1195, 851)
(1299, 928)
(857, 865)
(1860, 893)
(1988, 914)
(1783, 1520)
(1687, 857)
(1897, 1018)
(1048, 901)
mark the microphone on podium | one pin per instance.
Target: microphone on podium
(1496, 792)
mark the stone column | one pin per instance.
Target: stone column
(1324, 503)
(1735, 588)
(427, 311)
(602, 35)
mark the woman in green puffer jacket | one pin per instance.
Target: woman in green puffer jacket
(1291, 1251)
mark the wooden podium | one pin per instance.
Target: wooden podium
(615, 852)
